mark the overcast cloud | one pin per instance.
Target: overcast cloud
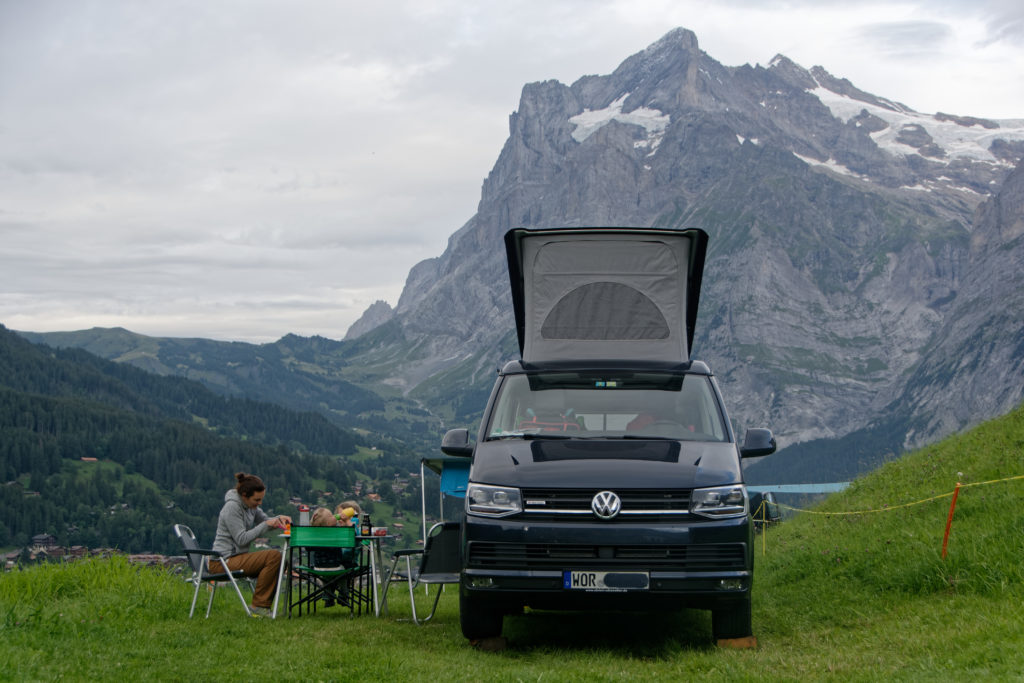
(245, 169)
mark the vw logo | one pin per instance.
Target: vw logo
(606, 505)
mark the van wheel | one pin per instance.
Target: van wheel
(478, 621)
(732, 620)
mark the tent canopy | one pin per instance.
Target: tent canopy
(454, 473)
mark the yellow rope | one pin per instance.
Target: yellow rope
(764, 529)
(905, 505)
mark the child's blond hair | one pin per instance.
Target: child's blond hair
(323, 517)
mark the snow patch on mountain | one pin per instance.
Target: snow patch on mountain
(830, 164)
(651, 120)
(955, 140)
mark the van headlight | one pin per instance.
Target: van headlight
(720, 501)
(493, 501)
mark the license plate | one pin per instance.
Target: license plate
(605, 581)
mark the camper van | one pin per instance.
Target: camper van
(605, 474)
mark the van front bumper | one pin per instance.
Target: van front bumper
(512, 563)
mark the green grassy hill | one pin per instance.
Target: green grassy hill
(855, 589)
(874, 585)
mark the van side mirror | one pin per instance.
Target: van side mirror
(757, 442)
(456, 442)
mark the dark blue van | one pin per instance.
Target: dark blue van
(606, 474)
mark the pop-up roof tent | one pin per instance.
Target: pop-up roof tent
(605, 293)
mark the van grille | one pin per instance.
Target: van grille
(704, 557)
(650, 504)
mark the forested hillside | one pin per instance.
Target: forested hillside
(101, 454)
(301, 374)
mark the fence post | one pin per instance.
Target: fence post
(949, 519)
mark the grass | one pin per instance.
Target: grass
(859, 597)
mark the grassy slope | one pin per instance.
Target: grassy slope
(855, 597)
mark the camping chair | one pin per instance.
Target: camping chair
(345, 583)
(440, 563)
(199, 560)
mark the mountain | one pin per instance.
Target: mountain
(78, 374)
(302, 374)
(844, 244)
(376, 315)
(861, 291)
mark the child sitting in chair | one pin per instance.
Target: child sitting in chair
(332, 559)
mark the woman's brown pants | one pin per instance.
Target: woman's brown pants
(264, 565)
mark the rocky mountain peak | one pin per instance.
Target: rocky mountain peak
(376, 315)
(791, 72)
(840, 225)
(677, 39)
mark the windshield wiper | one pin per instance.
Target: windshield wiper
(529, 436)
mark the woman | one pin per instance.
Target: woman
(241, 521)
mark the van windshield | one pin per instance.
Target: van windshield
(619, 405)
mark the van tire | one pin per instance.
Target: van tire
(732, 620)
(477, 621)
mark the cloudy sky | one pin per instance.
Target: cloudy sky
(242, 169)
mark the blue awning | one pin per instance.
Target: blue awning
(454, 473)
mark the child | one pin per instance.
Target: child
(341, 512)
(332, 559)
(329, 559)
(323, 517)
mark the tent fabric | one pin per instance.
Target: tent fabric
(455, 478)
(454, 473)
(605, 293)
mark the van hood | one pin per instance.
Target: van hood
(611, 464)
(605, 293)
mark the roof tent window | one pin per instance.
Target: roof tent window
(605, 311)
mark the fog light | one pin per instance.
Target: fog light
(731, 584)
(481, 582)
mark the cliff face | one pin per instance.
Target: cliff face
(974, 365)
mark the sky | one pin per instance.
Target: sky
(245, 169)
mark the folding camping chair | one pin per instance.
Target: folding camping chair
(199, 560)
(345, 583)
(440, 563)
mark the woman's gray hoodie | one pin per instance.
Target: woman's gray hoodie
(238, 525)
